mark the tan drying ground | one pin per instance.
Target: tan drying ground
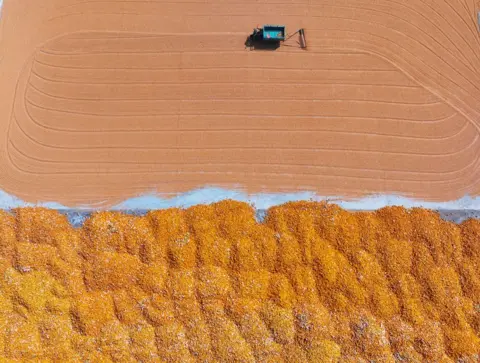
(100, 100)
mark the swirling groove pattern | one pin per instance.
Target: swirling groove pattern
(114, 98)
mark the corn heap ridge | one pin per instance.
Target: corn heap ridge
(312, 283)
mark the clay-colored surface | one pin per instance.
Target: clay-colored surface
(313, 283)
(101, 100)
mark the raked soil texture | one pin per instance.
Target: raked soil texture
(101, 100)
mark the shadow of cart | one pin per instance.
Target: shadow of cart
(255, 44)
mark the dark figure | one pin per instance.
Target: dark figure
(256, 41)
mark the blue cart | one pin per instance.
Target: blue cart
(275, 33)
(271, 36)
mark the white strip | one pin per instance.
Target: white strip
(259, 201)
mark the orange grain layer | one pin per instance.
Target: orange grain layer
(313, 283)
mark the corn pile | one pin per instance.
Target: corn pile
(313, 283)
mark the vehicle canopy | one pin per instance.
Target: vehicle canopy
(274, 32)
